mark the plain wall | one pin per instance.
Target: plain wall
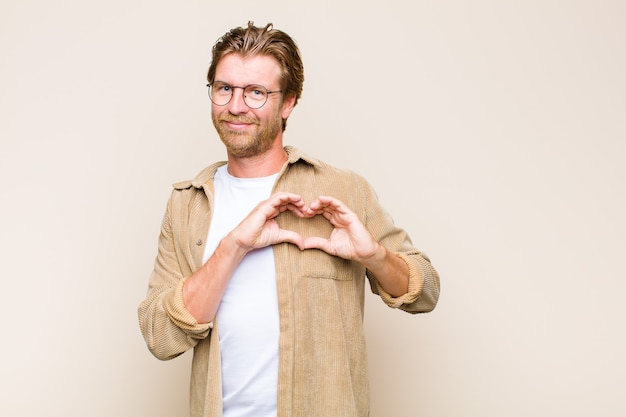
(493, 131)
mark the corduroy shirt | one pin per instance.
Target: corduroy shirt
(322, 358)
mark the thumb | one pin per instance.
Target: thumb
(315, 242)
(290, 236)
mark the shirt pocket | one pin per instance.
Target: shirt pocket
(319, 264)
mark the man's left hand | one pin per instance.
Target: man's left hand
(349, 238)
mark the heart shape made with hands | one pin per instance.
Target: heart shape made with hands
(329, 225)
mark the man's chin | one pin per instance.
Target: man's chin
(242, 144)
(242, 148)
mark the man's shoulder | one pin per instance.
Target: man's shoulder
(321, 166)
(199, 180)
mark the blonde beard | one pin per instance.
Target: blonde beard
(246, 145)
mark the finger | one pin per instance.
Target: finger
(299, 211)
(326, 203)
(282, 201)
(291, 237)
(282, 198)
(314, 242)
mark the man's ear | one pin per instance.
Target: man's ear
(288, 104)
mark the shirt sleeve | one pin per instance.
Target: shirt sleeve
(424, 287)
(423, 290)
(167, 326)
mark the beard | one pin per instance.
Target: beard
(247, 144)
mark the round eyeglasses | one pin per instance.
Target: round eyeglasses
(254, 95)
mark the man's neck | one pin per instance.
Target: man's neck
(263, 165)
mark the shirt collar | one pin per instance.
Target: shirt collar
(293, 156)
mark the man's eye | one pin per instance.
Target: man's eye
(256, 92)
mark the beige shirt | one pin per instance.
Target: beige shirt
(322, 359)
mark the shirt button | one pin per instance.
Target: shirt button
(199, 242)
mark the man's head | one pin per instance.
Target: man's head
(256, 41)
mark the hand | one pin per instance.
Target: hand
(259, 229)
(349, 238)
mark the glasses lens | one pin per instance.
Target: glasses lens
(255, 96)
(220, 93)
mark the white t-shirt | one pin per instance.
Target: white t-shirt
(247, 318)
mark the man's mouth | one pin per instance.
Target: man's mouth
(237, 123)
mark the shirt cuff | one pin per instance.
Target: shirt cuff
(180, 316)
(416, 284)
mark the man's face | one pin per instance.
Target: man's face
(249, 132)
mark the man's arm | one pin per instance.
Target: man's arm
(180, 305)
(390, 270)
(203, 291)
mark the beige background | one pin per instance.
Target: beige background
(493, 131)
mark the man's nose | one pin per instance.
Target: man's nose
(237, 103)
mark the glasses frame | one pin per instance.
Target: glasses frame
(267, 92)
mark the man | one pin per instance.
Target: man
(262, 259)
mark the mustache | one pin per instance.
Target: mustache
(237, 119)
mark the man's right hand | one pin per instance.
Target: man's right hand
(259, 229)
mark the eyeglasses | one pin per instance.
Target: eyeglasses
(254, 95)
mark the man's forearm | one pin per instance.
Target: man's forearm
(390, 271)
(203, 291)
